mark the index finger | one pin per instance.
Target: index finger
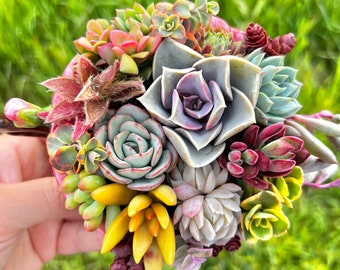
(23, 158)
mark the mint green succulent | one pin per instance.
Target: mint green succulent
(263, 217)
(126, 18)
(139, 152)
(279, 90)
(91, 154)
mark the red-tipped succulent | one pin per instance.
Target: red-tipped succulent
(267, 152)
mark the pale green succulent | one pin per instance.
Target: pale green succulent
(279, 90)
(126, 18)
(78, 188)
(263, 217)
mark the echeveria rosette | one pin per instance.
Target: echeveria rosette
(126, 18)
(139, 154)
(201, 108)
(262, 217)
(209, 207)
(279, 90)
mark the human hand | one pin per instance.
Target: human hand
(34, 224)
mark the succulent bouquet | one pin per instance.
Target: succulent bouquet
(178, 136)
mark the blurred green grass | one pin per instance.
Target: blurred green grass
(36, 44)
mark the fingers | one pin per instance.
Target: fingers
(29, 203)
(23, 158)
(73, 238)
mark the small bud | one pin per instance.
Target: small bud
(70, 183)
(91, 182)
(93, 210)
(81, 196)
(92, 224)
(22, 113)
(70, 203)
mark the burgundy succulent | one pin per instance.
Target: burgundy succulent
(281, 44)
(255, 37)
(268, 152)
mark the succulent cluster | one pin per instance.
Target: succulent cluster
(180, 133)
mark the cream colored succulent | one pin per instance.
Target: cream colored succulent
(209, 209)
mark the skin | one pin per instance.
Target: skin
(34, 225)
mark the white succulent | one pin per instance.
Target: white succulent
(209, 209)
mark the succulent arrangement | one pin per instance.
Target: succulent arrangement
(180, 134)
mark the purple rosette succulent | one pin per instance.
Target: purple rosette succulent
(138, 153)
(201, 101)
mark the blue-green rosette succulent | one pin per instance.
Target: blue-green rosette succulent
(279, 90)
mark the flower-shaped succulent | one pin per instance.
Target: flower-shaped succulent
(267, 152)
(126, 18)
(63, 150)
(91, 154)
(138, 152)
(190, 254)
(169, 26)
(146, 217)
(200, 107)
(263, 217)
(209, 209)
(132, 49)
(97, 33)
(279, 90)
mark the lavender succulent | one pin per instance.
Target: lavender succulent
(138, 152)
(201, 108)
(209, 209)
(279, 90)
(190, 254)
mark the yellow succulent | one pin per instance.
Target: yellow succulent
(146, 217)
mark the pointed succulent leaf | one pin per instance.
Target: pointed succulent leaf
(113, 194)
(142, 240)
(116, 231)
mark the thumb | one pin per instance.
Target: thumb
(28, 203)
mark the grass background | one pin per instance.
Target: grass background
(36, 44)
